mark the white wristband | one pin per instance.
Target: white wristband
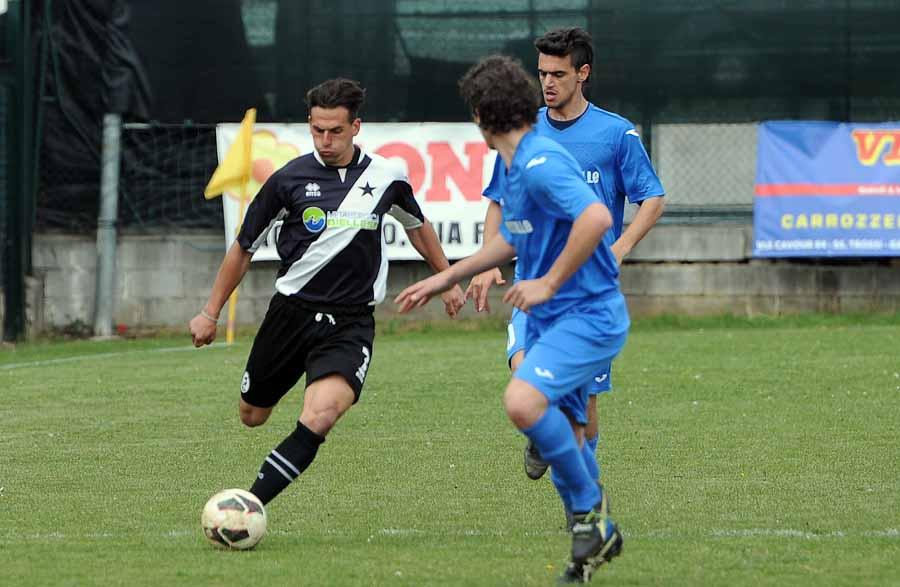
(208, 317)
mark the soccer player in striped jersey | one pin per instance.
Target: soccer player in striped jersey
(614, 165)
(333, 272)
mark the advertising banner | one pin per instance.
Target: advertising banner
(447, 165)
(826, 189)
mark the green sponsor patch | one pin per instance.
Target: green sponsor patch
(351, 219)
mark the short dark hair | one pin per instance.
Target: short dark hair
(573, 41)
(501, 93)
(338, 92)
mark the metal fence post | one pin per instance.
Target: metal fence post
(16, 238)
(106, 225)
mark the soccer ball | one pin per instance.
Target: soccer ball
(234, 518)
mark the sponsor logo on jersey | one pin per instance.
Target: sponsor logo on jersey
(314, 219)
(591, 176)
(313, 190)
(535, 162)
(519, 226)
(601, 378)
(633, 133)
(351, 219)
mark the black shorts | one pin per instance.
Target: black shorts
(297, 338)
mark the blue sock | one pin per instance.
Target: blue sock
(561, 488)
(590, 461)
(553, 436)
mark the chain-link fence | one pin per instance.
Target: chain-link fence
(707, 170)
(164, 170)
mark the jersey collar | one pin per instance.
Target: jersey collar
(357, 158)
(522, 147)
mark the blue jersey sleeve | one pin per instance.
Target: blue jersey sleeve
(637, 178)
(494, 189)
(555, 181)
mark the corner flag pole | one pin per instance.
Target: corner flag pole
(234, 172)
(233, 299)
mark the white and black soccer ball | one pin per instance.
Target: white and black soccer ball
(234, 518)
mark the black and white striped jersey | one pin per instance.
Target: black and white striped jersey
(330, 241)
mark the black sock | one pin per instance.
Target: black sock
(286, 462)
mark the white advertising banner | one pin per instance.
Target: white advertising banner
(448, 164)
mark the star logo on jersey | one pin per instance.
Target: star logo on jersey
(367, 190)
(535, 162)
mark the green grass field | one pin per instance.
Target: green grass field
(735, 453)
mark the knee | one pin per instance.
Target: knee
(321, 419)
(524, 404)
(252, 417)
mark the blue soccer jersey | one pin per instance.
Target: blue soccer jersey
(544, 192)
(612, 160)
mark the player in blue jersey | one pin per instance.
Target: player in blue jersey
(577, 318)
(614, 165)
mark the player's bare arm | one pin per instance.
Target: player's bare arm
(481, 283)
(585, 236)
(231, 272)
(648, 214)
(425, 241)
(494, 253)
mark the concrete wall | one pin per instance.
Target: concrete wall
(163, 280)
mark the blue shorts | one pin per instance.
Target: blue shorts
(563, 356)
(515, 342)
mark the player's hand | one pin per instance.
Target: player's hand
(454, 300)
(479, 286)
(527, 293)
(203, 330)
(418, 294)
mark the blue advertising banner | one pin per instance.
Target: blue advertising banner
(827, 189)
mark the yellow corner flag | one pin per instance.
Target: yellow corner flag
(234, 172)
